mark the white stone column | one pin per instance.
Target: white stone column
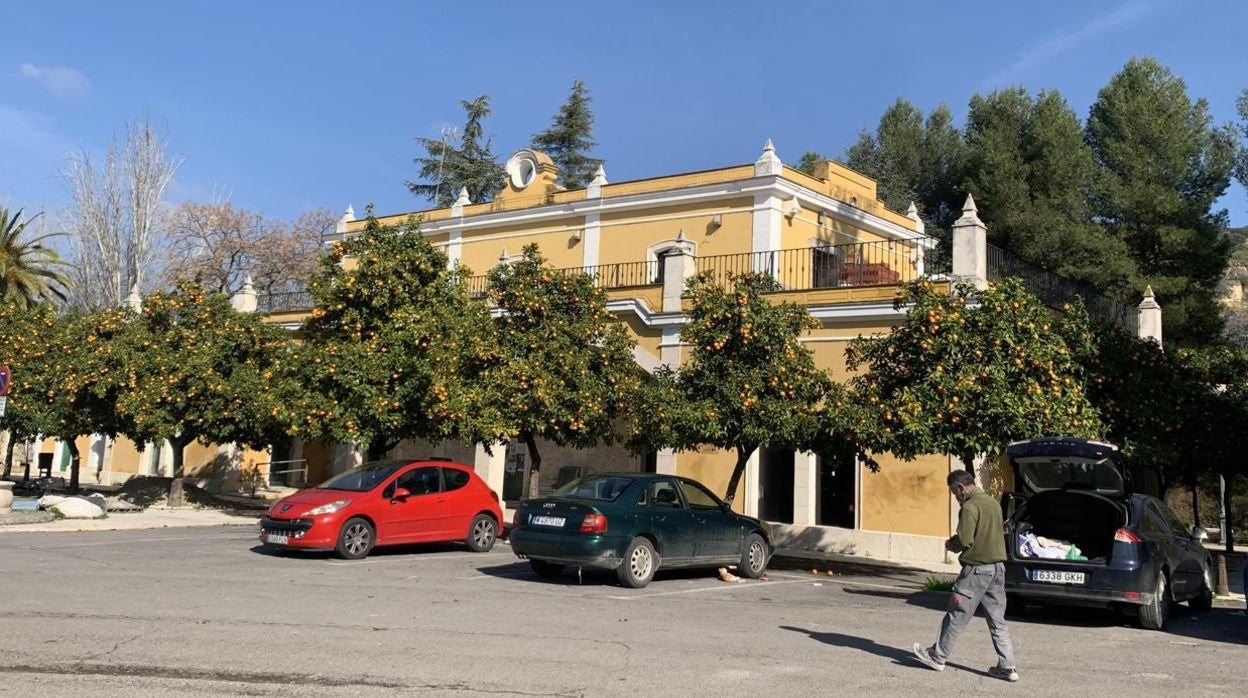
(679, 264)
(669, 346)
(749, 484)
(768, 210)
(805, 488)
(591, 239)
(347, 217)
(970, 247)
(245, 301)
(454, 247)
(665, 462)
(491, 465)
(1150, 317)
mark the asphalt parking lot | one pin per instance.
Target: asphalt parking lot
(210, 612)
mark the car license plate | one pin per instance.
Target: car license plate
(275, 539)
(1054, 577)
(547, 520)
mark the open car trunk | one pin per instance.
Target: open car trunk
(1084, 519)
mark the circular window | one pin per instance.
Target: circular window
(525, 172)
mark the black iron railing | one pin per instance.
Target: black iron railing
(1055, 291)
(832, 266)
(284, 301)
(606, 276)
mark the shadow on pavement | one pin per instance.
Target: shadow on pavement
(1216, 625)
(936, 601)
(899, 655)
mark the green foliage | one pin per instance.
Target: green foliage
(30, 272)
(562, 368)
(1032, 176)
(747, 382)
(569, 139)
(391, 340)
(1163, 167)
(189, 367)
(809, 159)
(1241, 164)
(913, 159)
(471, 165)
(970, 372)
(933, 583)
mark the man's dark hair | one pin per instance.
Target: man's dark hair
(960, 477)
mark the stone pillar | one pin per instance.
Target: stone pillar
(665, 462)
(594, 190)
(805, 488)
(349, 217)
(679, 264)
(457, 208)
(749, 484)
(1150, 317)
(491, 465)
(245, 300)
(970, 247)
(669, 346)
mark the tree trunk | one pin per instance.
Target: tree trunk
(8, 453)
(1230, 518)
(71, 445)
(743, 457)
(1195, 506)
(378, 448)
(177, 445)
(535, 465)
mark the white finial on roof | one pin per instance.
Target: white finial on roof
(970, 214)
(245, 300)
(134, 300)
(913, 214)
(347, 217)
(594, 190)
(768, 163)
(457, 208)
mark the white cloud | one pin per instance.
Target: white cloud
(1068, 39)
(60, 82)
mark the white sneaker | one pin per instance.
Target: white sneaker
(924, 655)
(1000, 672)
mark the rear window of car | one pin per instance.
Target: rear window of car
(455, 478)
(599, 488)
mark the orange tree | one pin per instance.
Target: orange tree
(62, 385)
(189, 367)
(561, 367)
(390, 345)
(747, 383)
(967, 373)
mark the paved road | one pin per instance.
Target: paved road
(208, 612)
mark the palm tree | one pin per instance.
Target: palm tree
(30, 273)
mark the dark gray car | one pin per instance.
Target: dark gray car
(1130, 550)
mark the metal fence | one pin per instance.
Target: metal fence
(606, 276)
(1055, 291)
(281, 301)
(833, 266)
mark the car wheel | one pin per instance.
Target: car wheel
(754, 557)
(355, 539)
(1015, 605)
(1204, 600)
(546, 570)
(1154, 614)
(482, 534)
(639, 565)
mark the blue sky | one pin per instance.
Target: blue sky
(287, 106)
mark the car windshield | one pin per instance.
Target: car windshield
(363, 478)
(1048, 473)
(601, 488)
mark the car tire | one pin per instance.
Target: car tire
(1203, 601)
(754, 557)
(639, 564)
(1154, 614)
(482, 533)
(356, 539)
(1015, 605)
(546, 570)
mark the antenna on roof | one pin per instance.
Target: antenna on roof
(448, 133)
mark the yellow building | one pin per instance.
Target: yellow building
(827, 238)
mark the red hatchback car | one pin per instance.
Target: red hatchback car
(389, 502)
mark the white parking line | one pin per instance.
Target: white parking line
(489, 576)
(413, 558)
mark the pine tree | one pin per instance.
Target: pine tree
(1032, 175)
(1164, 165)
(471, 165)
(568, 140)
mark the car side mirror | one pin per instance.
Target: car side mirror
(400, 495)
(1200, 534)
(725, 507)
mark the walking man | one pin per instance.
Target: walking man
(981, 542)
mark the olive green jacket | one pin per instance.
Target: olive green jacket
(980, 538)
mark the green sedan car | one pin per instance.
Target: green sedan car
(635, 523)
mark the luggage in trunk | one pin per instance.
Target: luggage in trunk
(1084, 519)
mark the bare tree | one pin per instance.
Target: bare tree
(222, 245)
(115, 219)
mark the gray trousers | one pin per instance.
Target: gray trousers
(976, 585)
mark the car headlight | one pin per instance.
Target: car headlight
(327, 508)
